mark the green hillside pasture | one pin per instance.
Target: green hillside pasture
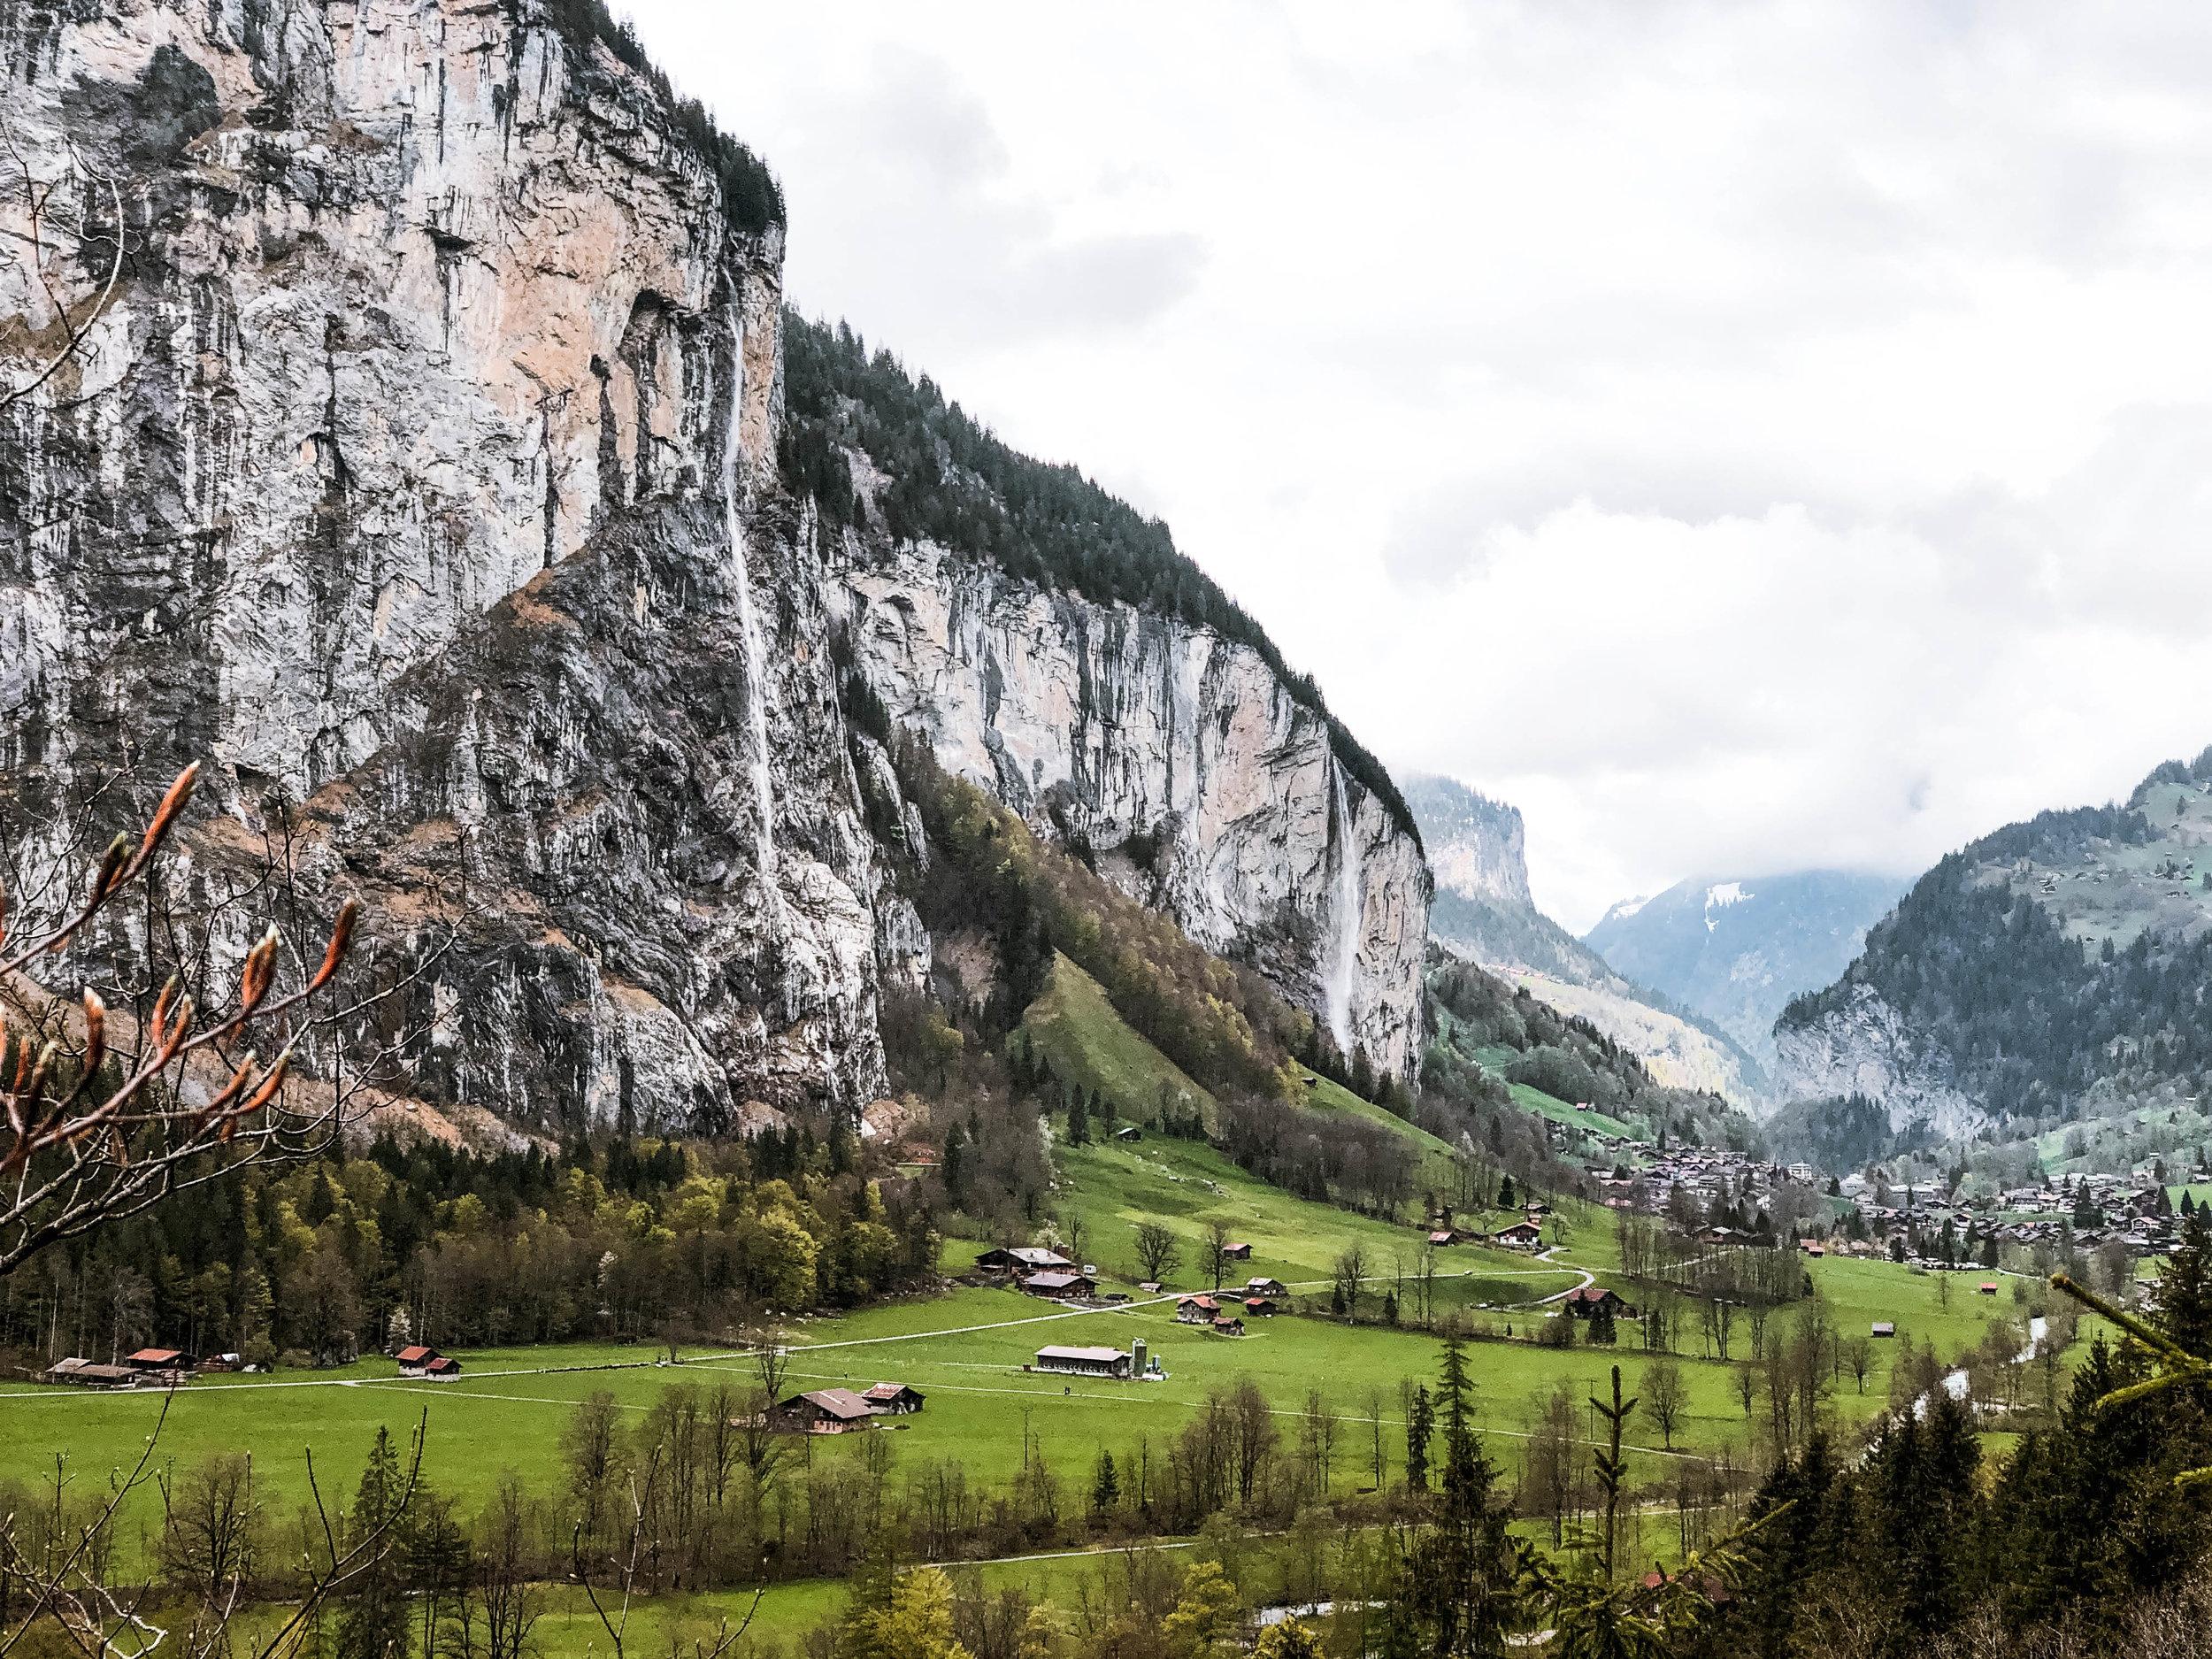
(1531, 1099)
(1327, 1095)
(1088, 1044)
(1185, 1185)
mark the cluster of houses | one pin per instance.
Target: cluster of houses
(1041, 1272)
(1224, 1312)
(2023, 1215)
(1701, 1172)
(148, 1368)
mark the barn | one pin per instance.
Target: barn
(826, 1411)
(1084, 1361)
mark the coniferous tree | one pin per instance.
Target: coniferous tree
(372, 1621)
(1420, 1428)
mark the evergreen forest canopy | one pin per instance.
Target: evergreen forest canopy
(751, 198)
(954, 483)
(2030, 1018)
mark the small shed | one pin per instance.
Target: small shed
(1129, 1131)
(1228, 1327)
(893, 1400)
(1884, 1327)
(1237, 1252)
(1261, 1307)
(1988, 1287)
(442, 1368)
(1443, 1236)
(1265, 1287)
(84, 1373)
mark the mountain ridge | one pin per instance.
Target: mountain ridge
(1477, 847)
(2054, 964)
(1737, 948)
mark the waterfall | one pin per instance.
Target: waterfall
(748, 625)
(1343, 959)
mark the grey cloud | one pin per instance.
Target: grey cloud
(1446, 535)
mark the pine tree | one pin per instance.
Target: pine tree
(2185, 1291)
(1601, 1332)
(956, 1162)
(1105, 1486)
(373, 1615)
(1079, 1120)
(1420, 1426)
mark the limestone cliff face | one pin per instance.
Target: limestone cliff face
(420, 472)
(1177, 757)
(1864, 1047)
(1477, 846)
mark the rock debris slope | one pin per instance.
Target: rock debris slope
(421, 472)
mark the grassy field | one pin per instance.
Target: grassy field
(966, 1350)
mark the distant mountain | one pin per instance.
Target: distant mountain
(1737, 951)
(2053, 968)
(1482, 912)
(1477, 847)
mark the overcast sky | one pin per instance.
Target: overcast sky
(1746, 438)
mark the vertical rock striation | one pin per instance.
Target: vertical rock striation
(1177, 758)
(419, 474)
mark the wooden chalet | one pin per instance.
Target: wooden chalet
(1023, 1259)
(1523, 1234)
(1196, 1309)
(1237, 1252)
(825, 1412)
(164, 1362)
(84, 1373)
(1584, 1303)
(412, 1361)
(1265, 1287)
(1261, 1307)
(1228, 1327)
(1063, 1285)
(442, 1369)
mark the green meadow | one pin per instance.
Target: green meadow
(968, 1349)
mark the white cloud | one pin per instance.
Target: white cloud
(1745, 437)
